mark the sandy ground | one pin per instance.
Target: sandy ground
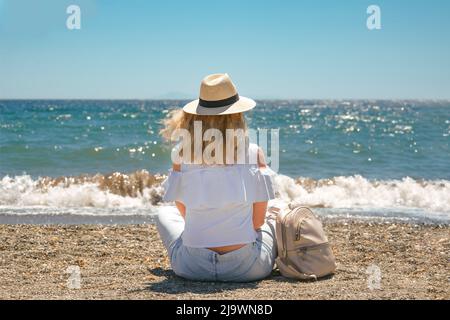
(129, 262)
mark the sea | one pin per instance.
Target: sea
(103, 161)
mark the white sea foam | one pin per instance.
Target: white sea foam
(356, 192)
(23, 191)
(21, 194)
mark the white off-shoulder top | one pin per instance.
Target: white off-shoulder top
(219, 200)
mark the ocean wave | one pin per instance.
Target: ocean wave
(142, 190)
(138, 189)
(359, 192)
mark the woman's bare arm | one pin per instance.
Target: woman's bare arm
(259, 214)
(259, 208)
(180, 205)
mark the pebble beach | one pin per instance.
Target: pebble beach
(375, 260)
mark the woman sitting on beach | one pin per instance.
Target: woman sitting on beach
(218, 230)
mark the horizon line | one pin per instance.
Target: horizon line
(260, 99)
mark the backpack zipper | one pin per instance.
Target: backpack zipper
(297, 231)
(311, 247)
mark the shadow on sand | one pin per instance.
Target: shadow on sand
(173, 284)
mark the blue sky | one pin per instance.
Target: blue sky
(272, 49)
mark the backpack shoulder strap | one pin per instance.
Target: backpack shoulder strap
(282, 251)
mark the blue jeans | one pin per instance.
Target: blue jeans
(252, 262)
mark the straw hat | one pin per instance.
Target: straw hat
(218, 95)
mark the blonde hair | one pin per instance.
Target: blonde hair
(178, 119)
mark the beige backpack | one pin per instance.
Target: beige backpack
(303, 248)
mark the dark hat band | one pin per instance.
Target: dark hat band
(219, 103)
